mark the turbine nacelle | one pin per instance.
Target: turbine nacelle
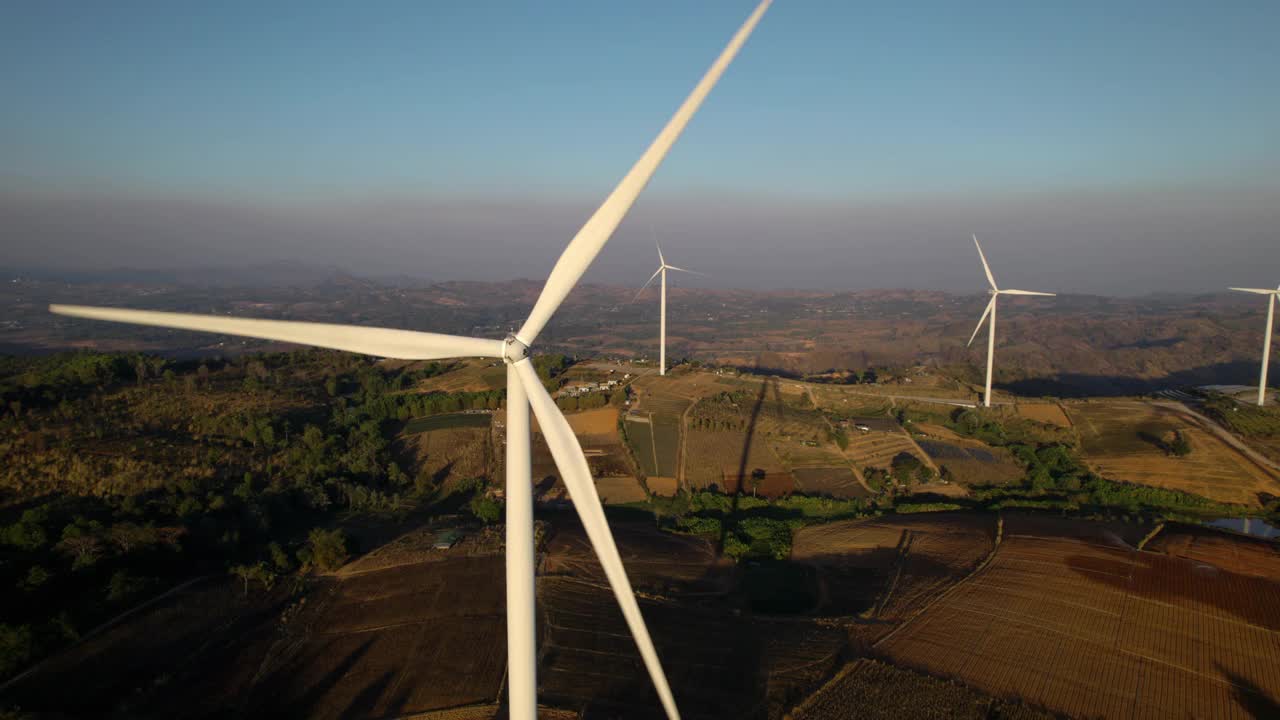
(514, 349)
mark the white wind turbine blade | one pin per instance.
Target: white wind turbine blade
(985, 267)
(382, 342)
(680, 269)
(1258, 291)
(661, 260)
(576, 474)
(981, 320)
(1027, 292)
(647, 283)
(584, 247)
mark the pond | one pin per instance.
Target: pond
(1248, 526)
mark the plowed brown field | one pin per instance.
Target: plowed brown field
(1090, 627)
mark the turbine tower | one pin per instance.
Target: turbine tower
(663, 267)
(1266, 342)
(991, 310)
(524, 390)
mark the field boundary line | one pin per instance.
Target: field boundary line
(653, 443)
(995, 548)
(927, 460)
(904, 548)
(682, 454)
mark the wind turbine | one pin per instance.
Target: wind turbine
(1266, 343)
(991, 310)
(663, 267)
(524, 390)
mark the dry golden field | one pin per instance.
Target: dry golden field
(620, 490)
(716, 457)
(1048, 413)
(877, 448)
(1120, 440)
(595, 425)
(1085, 625)
(937, 432)
(597, 432)
(470, 376)
(448, 454)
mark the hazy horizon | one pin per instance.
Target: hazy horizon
(1093, 149)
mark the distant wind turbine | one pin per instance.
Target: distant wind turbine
(1266, 342)
(991, 310)
(663, 267)
(524, 389)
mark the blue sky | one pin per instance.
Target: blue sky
(304, 104)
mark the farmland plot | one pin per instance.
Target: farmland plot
(892, 566)
(655, 441)
(726, 459)
(718, 665)
(836, 481)
(711, 660)
(597, 432)
(394, 642)
(1048, 413)
(640, 438)
(450, 451)
(1248, 556)
(879, 691)
(468, 376)
(656, 561)
(877, 448)
(973, 463)
(1121, 440)
(1091, 627)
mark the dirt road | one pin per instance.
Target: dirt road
(1223, 434)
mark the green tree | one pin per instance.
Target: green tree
(36, 577)
(1178, 445)
(485, 508)
(327, 548)
(17, 644)
(906, 467)
(124, 587)
(28, 533)
(279, 558)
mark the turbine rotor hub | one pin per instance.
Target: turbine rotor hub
(514, 350)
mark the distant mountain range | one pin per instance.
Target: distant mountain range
(1071, 344)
